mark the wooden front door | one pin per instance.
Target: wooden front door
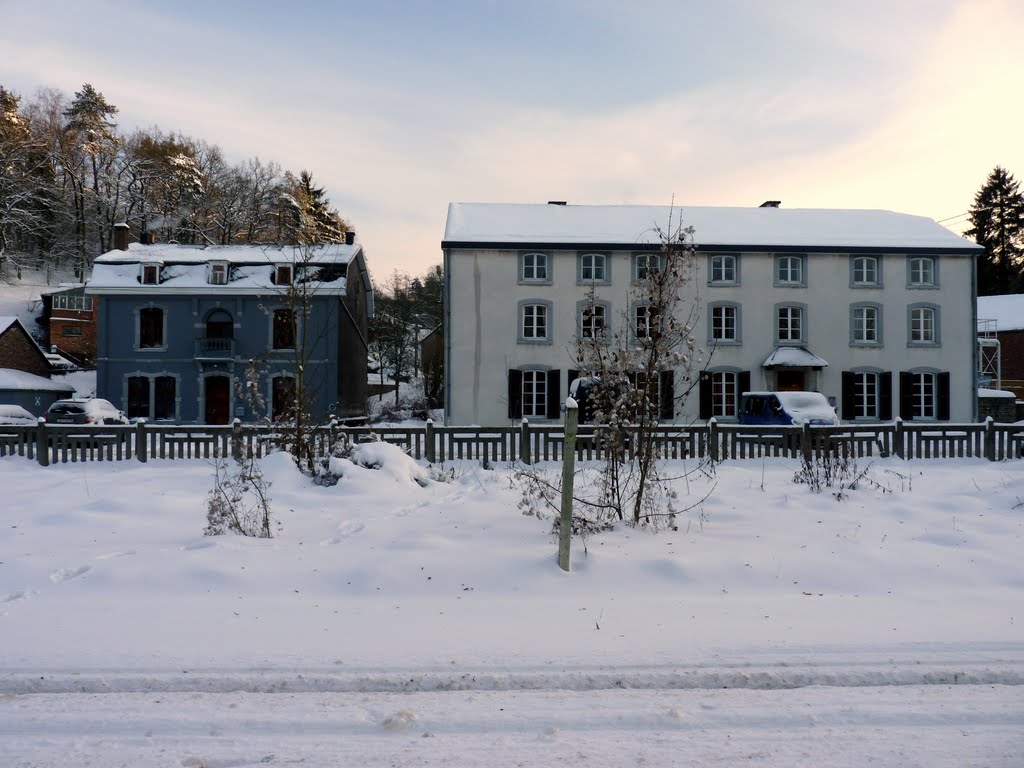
(217, 394)
(790, 380)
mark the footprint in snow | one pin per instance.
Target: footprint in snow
(198, 545)
(10, 598)
(64, 574)
(111, 555)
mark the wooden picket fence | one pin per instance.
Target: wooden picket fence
(53, 444)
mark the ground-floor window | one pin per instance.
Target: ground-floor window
(282, 398)
(865, 395)
(925, 395)
(720, 393)
(152, 397)
(535, 394)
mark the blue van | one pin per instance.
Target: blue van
(786, 408)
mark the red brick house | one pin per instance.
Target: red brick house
(18, 351)
(71, 317)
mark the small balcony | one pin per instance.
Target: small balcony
(210, 348)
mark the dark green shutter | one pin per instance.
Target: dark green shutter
(515, 394)
(885, 396)
(706, 403)
(849, 412)
(906, 395)
(942, 395)
(554, 393)
(667, 396)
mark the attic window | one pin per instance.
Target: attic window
(283, 274)
(150, 274)
(218, 274)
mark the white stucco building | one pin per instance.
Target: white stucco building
(874, 309)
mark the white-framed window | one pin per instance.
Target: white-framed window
(644, 264)
(150, 274)
(790, 269)
(724, 324)
(923, 395)
(865, 324)
(593, 268)
(723, 269)
(922, 272)
(534, 267)
(865, 272)
(74, 301)
(535, 394)
(789, 323)
(283, 274)
(725, 394)
(535, 322)
(865, 395)
(645, 321)
(924, 325)
(593, 321)
(218, 273)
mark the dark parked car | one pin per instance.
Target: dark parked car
(92, 411)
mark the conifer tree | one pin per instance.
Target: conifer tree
(997, 225)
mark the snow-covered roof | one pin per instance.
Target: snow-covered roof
(185, 267)
(1007, 311)
(793, 357)
(997, 393)
(516, 225)
(12, 379)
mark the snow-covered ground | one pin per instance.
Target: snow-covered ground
(392, 624)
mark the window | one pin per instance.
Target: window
(922, 395)
(164, 397)
(724, 325)
(218, 273)
(924, 325)
(789, 270)
(865, 395)
(158, 391)
(592, 321)
(534, 267)
(535, 394)
(724, 269)
(71, 330)
(151, 328)
(534, 325)
(789, 323)
(150, 274)
(865, 324)
(922, 272)
(646, 323)
(724, 394)
(864, 272)
(644, 264)
(593, 268)
(282, 274)
(76, 302)
(283, 330)
(282, 397)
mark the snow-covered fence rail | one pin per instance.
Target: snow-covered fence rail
(528, 443)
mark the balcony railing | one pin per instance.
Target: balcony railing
(214, 349)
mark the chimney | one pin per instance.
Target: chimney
(350, 237)
(770, 204)
(121, 237)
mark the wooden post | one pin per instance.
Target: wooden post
(42, 449)
(805, 443)
(524, 441)
(236, 440)
(568, 473)
(429, 438)
(990, 439)
(713, 439)
(140, 441)
(897, 439)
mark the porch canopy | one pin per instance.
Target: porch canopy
(793, 357)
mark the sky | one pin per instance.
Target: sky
(400, 107)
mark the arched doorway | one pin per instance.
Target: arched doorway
(217, 397)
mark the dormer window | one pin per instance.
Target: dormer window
(283, 274)
(151, 274)
(218, 274)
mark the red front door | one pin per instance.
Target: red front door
(217, 393)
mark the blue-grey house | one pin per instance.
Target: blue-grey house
(195, 334)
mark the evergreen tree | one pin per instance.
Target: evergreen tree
(997, 225)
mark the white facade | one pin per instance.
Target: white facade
(887, 300)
